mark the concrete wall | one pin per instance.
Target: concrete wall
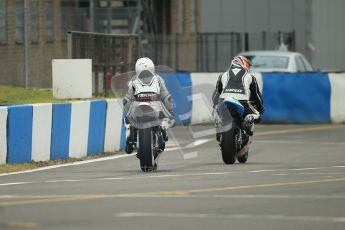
(72, 78)
(43, 132)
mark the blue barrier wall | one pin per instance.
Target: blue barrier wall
(180, 87)
(296, 98)
(19, 134)
(96, 127)
(123, 133)
(61, 124)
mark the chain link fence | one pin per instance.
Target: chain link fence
(110, 54)
(209, 52)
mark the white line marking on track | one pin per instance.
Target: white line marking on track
(230, 216)
(68, 164)
(303, 169)
(305, 173)
(15, 183)
(197, 143)
(156, 175)
(59, 181)
(299, 142)
(192, 196)
(263, 170)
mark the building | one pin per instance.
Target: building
(317, 24)
(191, 35)
(48, 21)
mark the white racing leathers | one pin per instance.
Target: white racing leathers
(147, 102)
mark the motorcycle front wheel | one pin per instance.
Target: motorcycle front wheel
(146, 150)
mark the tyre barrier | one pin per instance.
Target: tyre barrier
(42, 132)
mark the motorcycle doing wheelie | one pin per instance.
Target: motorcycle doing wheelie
(233, 131)
(146, 118)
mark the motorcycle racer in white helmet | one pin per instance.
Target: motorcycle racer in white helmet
(146, 80)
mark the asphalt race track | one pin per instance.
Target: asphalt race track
(294, 179)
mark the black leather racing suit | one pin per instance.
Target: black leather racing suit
(239, 84)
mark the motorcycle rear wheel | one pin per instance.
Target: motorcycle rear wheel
(228, 146)
(146, 150)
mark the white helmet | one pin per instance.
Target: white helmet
(144, 64)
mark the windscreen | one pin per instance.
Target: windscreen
(145, 77)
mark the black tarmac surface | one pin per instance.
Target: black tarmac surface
(294, 179)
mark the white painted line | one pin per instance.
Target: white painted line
(114, 178)
(15, 183)
(183, 196)
(197, 143)
(300, 142)
(231, 216)
(59, 181)
(68, 164)
(190, 155)
(204, 133)
(296, 174)
(171, 149)
(339, 166)
(278, 196)
(303, 169)
(217, 173)
(263, 170)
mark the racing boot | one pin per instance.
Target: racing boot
(164, 134)
(248, 124)
(131, 141)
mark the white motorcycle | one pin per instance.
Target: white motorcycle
(147, 118)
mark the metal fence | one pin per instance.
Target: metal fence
(209, 52)
(109, 53)
(197, 52)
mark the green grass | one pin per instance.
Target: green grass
(17, 95)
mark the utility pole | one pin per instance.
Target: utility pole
(92, 15)
(26, 43)
(109, 16)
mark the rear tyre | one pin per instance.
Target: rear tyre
(146, 150)
(228, 147)
(244, 158)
